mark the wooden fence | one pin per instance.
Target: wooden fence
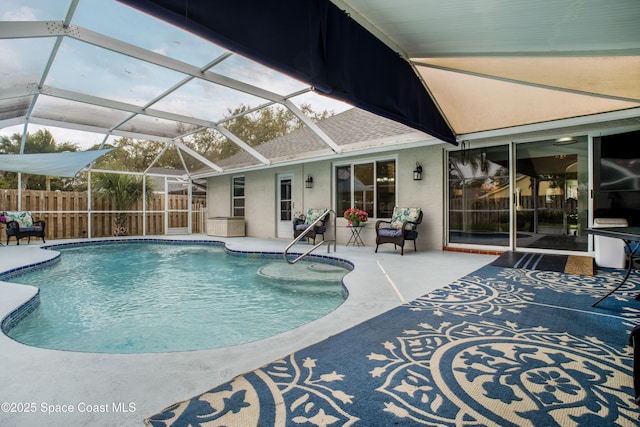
(67, 213)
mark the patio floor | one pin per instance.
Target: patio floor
(117, 389)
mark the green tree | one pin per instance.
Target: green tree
(130, 155)
(137, 155)
(40, 142)
(253, 128)
(124, 191)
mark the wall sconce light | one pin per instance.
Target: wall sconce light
(417, 172)
(309, 182)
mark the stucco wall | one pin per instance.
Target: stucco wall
(261, 194)
(219, 196)
(427, 194)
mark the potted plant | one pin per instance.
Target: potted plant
(356, 216)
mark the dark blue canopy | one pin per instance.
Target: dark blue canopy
(315, 42)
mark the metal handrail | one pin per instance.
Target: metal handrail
(313, 248)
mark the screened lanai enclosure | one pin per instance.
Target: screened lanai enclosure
(176, 88)
(142, 98)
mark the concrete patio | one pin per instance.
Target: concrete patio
(117, 389)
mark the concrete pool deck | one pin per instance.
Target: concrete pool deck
(40, 387)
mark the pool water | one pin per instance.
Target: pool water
(154, 297)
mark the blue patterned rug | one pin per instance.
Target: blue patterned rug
(501, 346)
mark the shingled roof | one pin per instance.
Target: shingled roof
(352, 129)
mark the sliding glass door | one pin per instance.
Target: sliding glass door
(479, 191)
(551, 191)
(535, 198)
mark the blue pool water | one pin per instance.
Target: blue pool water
(153, 297)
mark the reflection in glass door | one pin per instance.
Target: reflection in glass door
(544, 207)
(479, 196)
(551, 194)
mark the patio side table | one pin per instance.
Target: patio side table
(355, 238)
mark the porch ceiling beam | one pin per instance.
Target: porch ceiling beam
(235, 116)
(60, 29)
(175, 87)
(117, 105)
(160, 154)
(122, 106)
(22, 30)
(98, 129)
(240, 143)
(313, 126)
(14, 121)
(184, 164)
(56, 28)
(19, 91)
(198, 156)
(554, 124)
(525, 83)
(118, 46)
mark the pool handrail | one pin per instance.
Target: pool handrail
(313, 248)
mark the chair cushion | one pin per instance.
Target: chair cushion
(313, 214)
(401, 215)
(23, 219)
(389, 232)
(411, 235)
(24, 230)
(318, 230)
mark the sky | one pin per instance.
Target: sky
(84, 68)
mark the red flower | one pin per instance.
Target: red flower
(354, 214)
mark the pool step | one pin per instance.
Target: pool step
(302, 271)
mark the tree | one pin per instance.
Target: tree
(40, 142)
(253, 128)
(131, 155)
(137, 155)
(125, 191)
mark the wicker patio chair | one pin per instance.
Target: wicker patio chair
(402, 227)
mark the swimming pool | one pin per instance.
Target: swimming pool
(144, 297)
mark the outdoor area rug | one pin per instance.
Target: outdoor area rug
(570, 264)
(500, 346)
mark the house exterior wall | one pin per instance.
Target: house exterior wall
(261, 199)
(261, 195)
(219, 196)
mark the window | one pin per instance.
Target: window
(368, 186)
(237, 202)
(385, 188)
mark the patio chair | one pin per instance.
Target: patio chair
(401, 228)
(302, 223)
(21, 225)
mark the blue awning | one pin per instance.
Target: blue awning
(317, 43)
